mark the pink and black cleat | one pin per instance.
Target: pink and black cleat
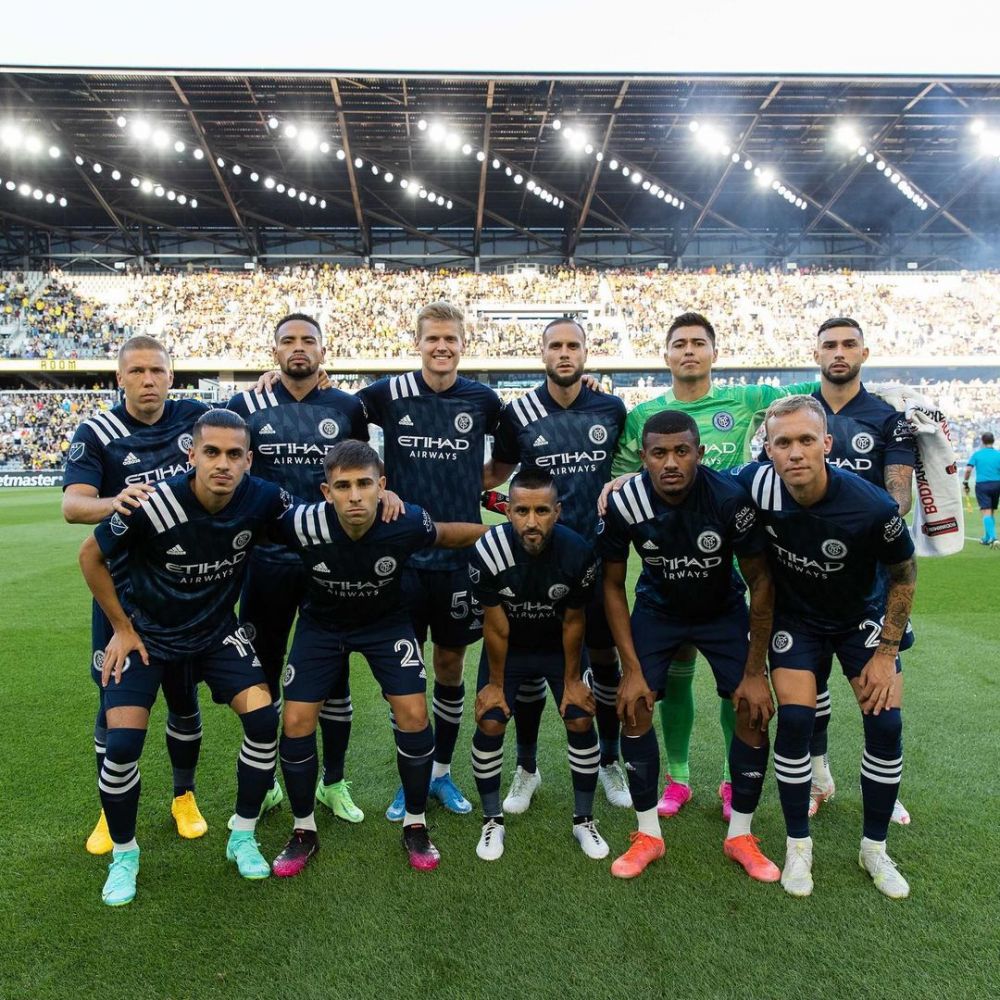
(423, 855)
(296, 854)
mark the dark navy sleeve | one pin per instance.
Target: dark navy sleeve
(116, 534)
(238, 405)
(282, 531)
(484, 583)
(494, 409)
(745, 531)
(505, 444)
(744, 474)
(371, 398)
(900, 441)
(890, 538)
(582, 589)
(612, 537)
(359, 420)
(84, 460)
(423, 532)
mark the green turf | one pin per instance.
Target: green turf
(544, 921)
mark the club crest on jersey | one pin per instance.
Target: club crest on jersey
(598, 433)
(557, 591)
(723, 421)
(76, 451)
(288, 675)
(98, 659)
(386, 566)
(118, 526)
(242, 540)
(184, 442)
(329, 428)
(833, 548)
(474, 574)
(709, 541)
(862, 443)
(463, 423)
(250, 630)
(781, 642)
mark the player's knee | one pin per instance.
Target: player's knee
(752, 736)
(884, 729)
(492, 727)
(603, 660)
(795, 722)
(449, 664)
(261, 724)
(581, 725)
(124, 744)
(410, 713)
(127, 717)
(299, 718)
(641, 724)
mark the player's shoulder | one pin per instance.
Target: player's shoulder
(165, 506)
(761, 481)
(105, 426)
(477, 390)
(393, 387)
(250, 402)
(875, 406)
(723, 485)
(186, 410)
(633, 503)
(570, 542)
(602, 402)
(525, 409)
(332, 396)
(495, 550)
(414, 518)
(857, 488)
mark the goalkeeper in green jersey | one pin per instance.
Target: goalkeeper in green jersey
(727, 419)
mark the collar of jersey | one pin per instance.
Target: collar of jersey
(861, 397)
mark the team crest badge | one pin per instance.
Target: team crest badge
(463, 423)
(557, 591)
(118, 526)
(709, 541)
(862, 443)
(386, 566)
(76, 451)
(781, 642)
(250, 630)
(474, 574)
(288, 676)
(598, 433)
(242, 539)
(723, 421)
(98, 659)
(184, 442)
(329, 428)
(833, 548)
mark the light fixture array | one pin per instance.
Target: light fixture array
(144, 184)
(579, 142)
(26, 190)
(848, 137)
(16, 140)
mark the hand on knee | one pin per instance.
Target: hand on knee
(490, 727)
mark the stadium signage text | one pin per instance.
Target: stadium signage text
(33, 478)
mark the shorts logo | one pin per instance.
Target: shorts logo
(184, 442)
(862, 443)
(463, 423)
(781, 642)
(386, 566)
(557, 591)
(709, 541)
(76, 451)
(598, 434)
(833, 548)
(118, 526)
(242, 540)
(250, 630)
(288, 676)
(474, 574)
(329, 428)
(428, 521)
(723, 421)
(98, 659)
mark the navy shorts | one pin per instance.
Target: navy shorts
(320, 655)
(180, 692)
(793, 647)
(988, 494)
(271, 594)
(723, 641)
(229, 668)
(528, 665)
(598, 634)
(441, 601)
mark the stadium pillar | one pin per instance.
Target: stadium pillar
(475, 264)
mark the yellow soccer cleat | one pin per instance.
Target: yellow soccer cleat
(99, 841)
(190, 823)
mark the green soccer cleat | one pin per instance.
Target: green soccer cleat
(119, 889)
(245, 851)
(273, 799)
(337, 798)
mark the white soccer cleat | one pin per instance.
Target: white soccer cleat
(615, 785)
(820, 793)
(591, 842)
(522, 788)
(796, 876)
(490, 846)
(899, 814)
(873, 859)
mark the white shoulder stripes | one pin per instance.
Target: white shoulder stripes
(528, 408)
(495, 550)
(766, 488)
(632, 501)
(401, 386)
(163, 509)
(311, 524)
(107, 427)
(259, 400)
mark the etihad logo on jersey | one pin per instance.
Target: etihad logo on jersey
(353, 588)
(155, 475)
(531, 610)
(684, 567)
(808, 566)
(852, 464)
(207, 572)
(717, 454)
(421, 446)
(291, 453)
(572, 461)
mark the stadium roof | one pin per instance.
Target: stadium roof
(698, 146)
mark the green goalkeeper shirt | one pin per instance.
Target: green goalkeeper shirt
(727, 419)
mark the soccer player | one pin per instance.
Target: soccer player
(827, 532)
(435, 424)
(876, 442)
(353, 603)
(534, 578)
(728, 418)
(185, 548)
(687, 522)
(114, 460)
(292, 424)
(565, 428)
(986, 462)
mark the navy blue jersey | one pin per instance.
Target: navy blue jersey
(574, 443)
(435, 447)
(686, 550)
(353, 582)
(533, 590)
(825, 558)
(289, 439)
(184, 565)
(868, 434)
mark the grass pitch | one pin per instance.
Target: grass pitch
(542, 922)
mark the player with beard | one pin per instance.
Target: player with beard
(876, 442)
(569, 431)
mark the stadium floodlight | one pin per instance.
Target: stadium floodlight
(613, 164)
(269, 183)
(324, 147)
(159, 191)
(440, 200)
(775, 184)
(160, 139)
(452, 142)
(625, 171)
(312, 199)
(480, 156)
(422, 125)
(414, 188)
(171, 196)
(448, 203)
(303, 196)
(291, 131)
(531, 186)
(599, 156)
(308, 139)
(847, 135)
(894, 179)
(358, 162)
(194, 202)
(11, 136)
(141, 130)
(431, 196)
(198, 153)
(466, 149)
(10, 186)
(63, 202)
(97, 168)
(182, 199)
(116, 175)
(404, 183)
(694, 125)
(78, 160)
(387, 177)
(121, 121)
(146, 187)
(50, 198)
(237, 169)
(279, 187)
(748, 164)
(291, 192)
(588, 149)
(375, 170)
(254, 176)
(636, 178)
(735, 157)
(645, 185)
(518, 178)
(135, 182)
(423, 193)
(437, 132)
(55, 152)
(220, 161)
(38, 194)
(508, 171)
(24, 190)
(322, 203)
(341, 155)
(765, 178)
(556, 124)
(179, 146)
(977, 126)
(869, 157)
(272, 122)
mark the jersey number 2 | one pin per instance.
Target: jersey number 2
(411, 657)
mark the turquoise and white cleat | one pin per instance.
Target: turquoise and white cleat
(245, 851)
(446, 792)
(119, 889)
(397, 808)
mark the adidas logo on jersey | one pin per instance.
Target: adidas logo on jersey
(130, 459)
(176, 551)
(267, 429)
(321, 568)
(539, 442)
(406, 421)
(649, 545)
(506, 592)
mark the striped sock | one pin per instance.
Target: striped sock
(300, 769)
(448, 702)
(604, 683)
(792, 767)
(335, 719)
(256, 762)
(584, 759)
(120, 782)
(487, 764)
(528, 709)
(183, 747)
(414, 754)
(881, 770)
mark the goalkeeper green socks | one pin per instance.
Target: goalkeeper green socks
(677, 719)
(727, 719)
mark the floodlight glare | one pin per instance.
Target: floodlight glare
(324, 147)
(518, 178)
(280, 188)
(467, 149)
(134, 182)
(312, 199)
(54, 152)
(97, 168)
(63, 202)
(272, 122)
(341, 155)
(556, 124)
(182, 199)
(254, 176)
(269, 183)
(613, 164)
(626, 171)
(78, 160)
(237, 169)
(50, 198)
(480, 156)
(388, 177)
(160, 139)
(121, 121)
(358, 162)
(24, 190)
(748, 165)
(437, 132)
(291, 131)
(422, 124)
(977, 127)
(179, 146)
(146, 186)
(116, 175)
(452, 142)
(694, 125)
(198, 154)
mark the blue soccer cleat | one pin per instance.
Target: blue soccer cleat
(397, 808)
(245, 851)
(446, 792)
(119, 888)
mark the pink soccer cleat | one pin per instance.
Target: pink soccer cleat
(675, 796)
(726, 794)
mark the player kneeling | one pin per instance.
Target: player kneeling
(534, 579)
(353, 603)
(185, 547)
